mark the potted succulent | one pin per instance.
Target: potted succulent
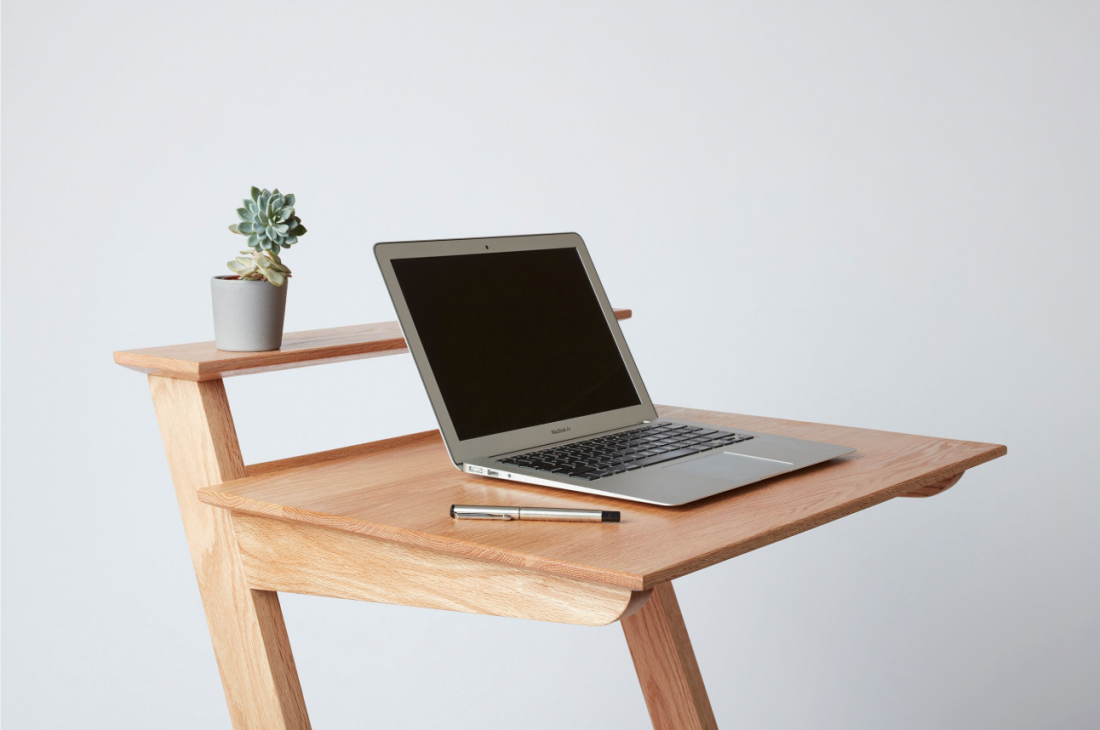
(250, 303)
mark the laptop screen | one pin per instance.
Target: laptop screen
(514, 339)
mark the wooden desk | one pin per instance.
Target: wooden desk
(371, 523)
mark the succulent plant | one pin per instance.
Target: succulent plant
(260, 266)
(269, 221)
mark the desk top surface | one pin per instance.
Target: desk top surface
(401, 490)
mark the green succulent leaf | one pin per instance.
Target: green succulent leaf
(269, 221)
(275, 277)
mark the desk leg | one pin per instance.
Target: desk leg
(665, 661)
(246, 626)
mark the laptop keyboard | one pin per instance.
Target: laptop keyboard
(625, 451)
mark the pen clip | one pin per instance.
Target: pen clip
(482, 516)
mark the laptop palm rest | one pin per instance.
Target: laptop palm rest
(732, 468)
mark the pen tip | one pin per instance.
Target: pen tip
(610, 516)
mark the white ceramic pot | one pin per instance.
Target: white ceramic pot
(248, 315)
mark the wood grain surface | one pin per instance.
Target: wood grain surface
(298, 558)
(931, 490)
(246, 626)
(401, 490)
(203, 361)
(661, 649)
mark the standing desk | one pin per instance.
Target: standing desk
(371, 523)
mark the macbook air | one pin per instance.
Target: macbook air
(532, 381)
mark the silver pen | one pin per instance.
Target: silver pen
(541, 514)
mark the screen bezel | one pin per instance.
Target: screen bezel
(534, 436)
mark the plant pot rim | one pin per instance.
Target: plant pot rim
(234, 277)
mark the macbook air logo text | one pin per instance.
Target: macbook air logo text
(561, 430)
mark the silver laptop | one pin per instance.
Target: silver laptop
(532, 381)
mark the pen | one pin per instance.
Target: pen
(541, 514)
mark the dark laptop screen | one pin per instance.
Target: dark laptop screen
(514, 339)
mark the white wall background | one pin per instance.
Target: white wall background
(882, 215)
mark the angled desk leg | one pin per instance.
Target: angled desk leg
(662, 653)
(246, 626)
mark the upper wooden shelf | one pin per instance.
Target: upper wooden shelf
(203, 361)
(401, 490)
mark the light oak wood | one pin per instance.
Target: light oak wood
(322, 457)
(401, 490)
(665, 662)
(370, 522)
(203, 361)
(931, 490)
(297, 558)
(246, 626)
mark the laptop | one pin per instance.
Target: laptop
(532, 381)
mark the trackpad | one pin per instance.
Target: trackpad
(733, 468)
